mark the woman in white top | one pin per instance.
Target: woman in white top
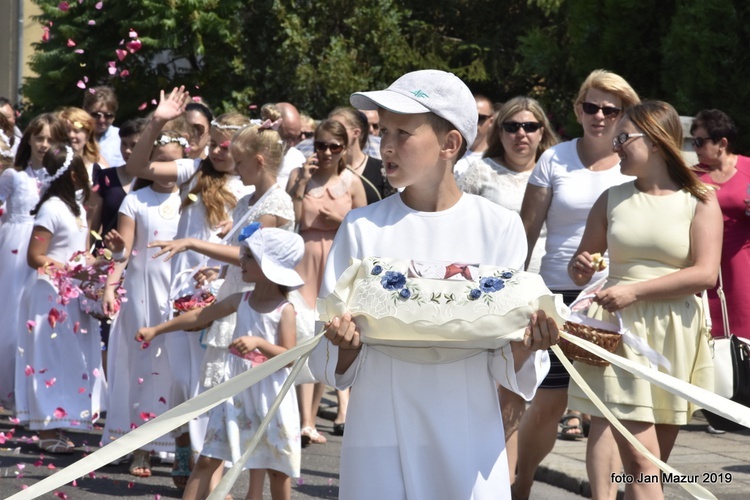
(519, 135)
(563, 187)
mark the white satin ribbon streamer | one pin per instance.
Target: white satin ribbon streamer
(168, 421)
(703, 398)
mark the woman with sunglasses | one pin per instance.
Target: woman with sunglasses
(564, 185)
(714, 135)
(323, 191)
(664, 233)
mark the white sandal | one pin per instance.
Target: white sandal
(59, 445)
(311, 435)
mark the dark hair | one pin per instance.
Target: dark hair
(140, 183)
(57, 131)
(103, 94)
(337, 130)
(132, 127)
(4, 101)
(718, 125)
(64, 187)
(200, 108)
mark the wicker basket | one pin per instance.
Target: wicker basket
(205, 299)
(605, 339)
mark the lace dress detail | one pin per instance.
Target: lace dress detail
(219, 335)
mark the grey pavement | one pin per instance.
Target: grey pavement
(721, 462)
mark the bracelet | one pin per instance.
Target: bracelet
(119, 256)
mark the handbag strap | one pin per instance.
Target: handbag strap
(723, 301)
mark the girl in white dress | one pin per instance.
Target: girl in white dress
(209, 191)
(265, 328)
(62, 356)
(140, 380)
(19, 194)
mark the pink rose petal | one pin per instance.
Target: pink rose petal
(95, 372)
(60, 413)
(63, 6)
(91, 22)
(29, 370)
(132, 33)
(142, 106)
(121, 54)
(81, 85)
(112, 70)
(49, 383)
(79, 51)
(140, 380)
(98, 6)
(30, 324)
(124, 73)
(71, 43)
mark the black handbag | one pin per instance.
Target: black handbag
(735, 384)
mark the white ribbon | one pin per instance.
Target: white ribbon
(173, 419)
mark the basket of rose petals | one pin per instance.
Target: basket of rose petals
(198, 300)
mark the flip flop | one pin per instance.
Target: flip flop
(59, 445)
(141, 460)
(182, 466)
(568, 431)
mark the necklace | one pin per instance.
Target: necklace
(360, 168)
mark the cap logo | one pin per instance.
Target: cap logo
(418, 94)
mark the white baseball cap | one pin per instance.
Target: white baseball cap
(278, 252)
(427, 91)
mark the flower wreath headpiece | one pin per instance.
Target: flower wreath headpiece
(165, 139)
(65, 166)
(220, 126)
(5, 152)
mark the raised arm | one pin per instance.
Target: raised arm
(536, 202)
(139, 164)
(594, 240)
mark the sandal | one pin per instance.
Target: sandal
(338, 429)
(141, 460)
(182, 466)
(59, 445)
(311, 435)
(568, 431)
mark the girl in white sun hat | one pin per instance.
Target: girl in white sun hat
(265, 328)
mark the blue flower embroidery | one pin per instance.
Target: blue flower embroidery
(475, 294)
(393, 280)
(376, 269)
(491, 284)
(506, 275)
(405, 293)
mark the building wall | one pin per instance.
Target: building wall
(10, 55)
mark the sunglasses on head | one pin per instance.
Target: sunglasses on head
(98, 115)
(528, 127)
(334, 148)
(483, 118)
(698, 142)
(591, 109)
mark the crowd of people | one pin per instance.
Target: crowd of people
(147, 263)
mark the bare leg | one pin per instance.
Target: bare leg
(199, 485)
(512, 407)
(305, 399)
(602, 459)
(343, 397)
(636, 464)
(281, 485)
(537, 434)
(255, 490)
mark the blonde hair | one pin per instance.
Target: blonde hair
(210, 183)
(270, 112)
(609, 82)
(263, 141)
(79, 119)
(516, 105)
(661, 124)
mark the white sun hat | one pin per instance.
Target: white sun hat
(427, 91)
(278, 252)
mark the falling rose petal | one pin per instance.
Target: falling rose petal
(85, 79)
(153, 101)
(14, 420)
(74, 483)
(144, 345)
(112, 70)
(95, 372)
(2, 438)
(140, 380)
(132, 33)
(21, 466)
(60, 494)
(13, 251)
(98, 6)
(156, 233)
(162, 400)
(79, 51)
(253, 106)
(80, 84)
(142, 106)
(300, 482)
(53, 336)
(45, 34)
(71, 43)
(121, 54)
(85, 376)
(51, 466)
(81, 390)
(38, 463)
(29, 370)
(133, 426)
(95, 188)
(63, 6)
(85, 414)
(124, 73)
(53, 317)
(131, 484)
(49, 383)
(197, 98)
(157, 497)
(134, 46)
(91, 22)
(43, 370)
(107, 181)
(76, 326)
(60, 413)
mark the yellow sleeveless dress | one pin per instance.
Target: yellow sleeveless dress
(648, 237)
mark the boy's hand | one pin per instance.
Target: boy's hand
(145, 334)
(541, 333)
(245, 345)
(342, 332)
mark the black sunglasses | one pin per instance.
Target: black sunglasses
(306, 135)
(322, 146)
(98, 115)
(591, 109)
(483, 118)
(528, 127)
(698, 142)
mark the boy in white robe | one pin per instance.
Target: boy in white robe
(426, 429)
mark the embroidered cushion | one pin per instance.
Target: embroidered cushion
(404, 303)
